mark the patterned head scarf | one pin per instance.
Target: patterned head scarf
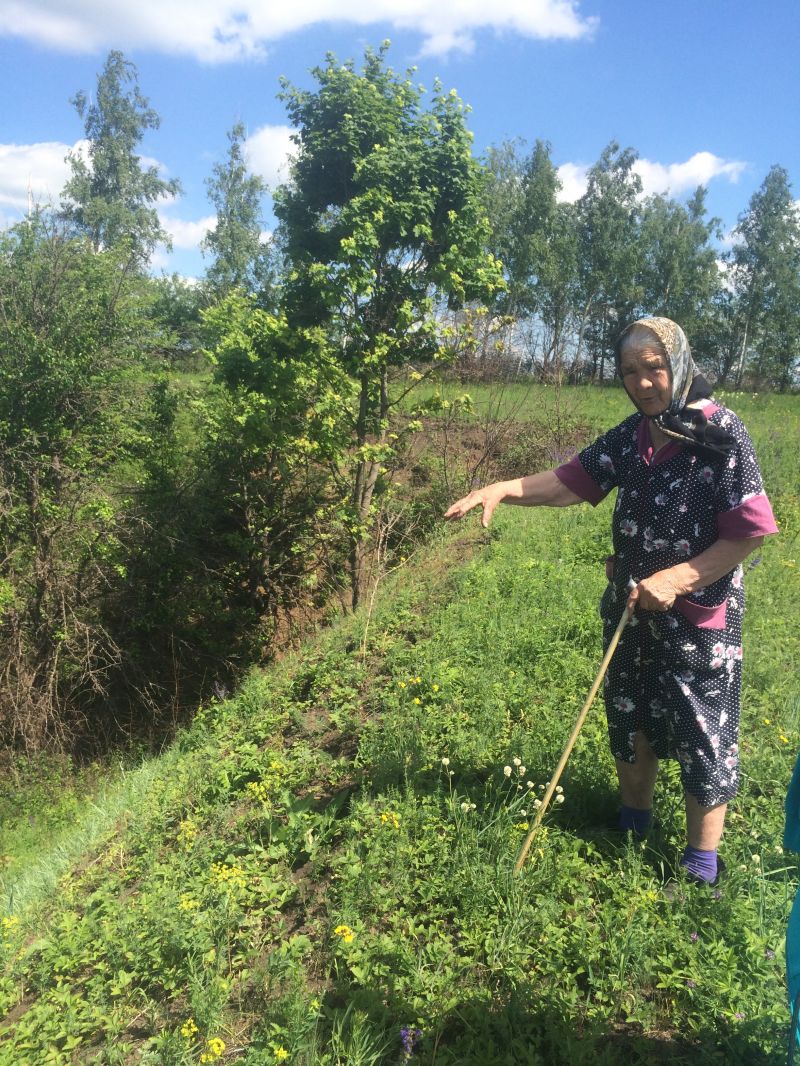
(687, 425)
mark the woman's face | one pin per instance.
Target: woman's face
(646, 377)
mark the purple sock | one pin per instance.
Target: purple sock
(702, 864)
(635, 819)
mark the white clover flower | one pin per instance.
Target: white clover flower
(524, 813)
(507, 771)
(473, 806)
(541, 788)
(530, 784)
(445, 761)
(517, 761)
(560, 797)
(537, 803)
(778, 849)
(522, 770)
(465, 806)
(559, 789)
(756, 859)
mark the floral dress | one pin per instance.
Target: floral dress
(676, 676)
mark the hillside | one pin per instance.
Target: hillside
(319, 870)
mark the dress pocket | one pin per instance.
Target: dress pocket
(701, 616)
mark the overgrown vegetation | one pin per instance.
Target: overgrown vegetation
(192, 473)
(320, 868)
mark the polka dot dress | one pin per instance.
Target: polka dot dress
(676, 676)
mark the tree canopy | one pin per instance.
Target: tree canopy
(110, 195)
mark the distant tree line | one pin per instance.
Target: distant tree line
(188, 467)
(578, 272)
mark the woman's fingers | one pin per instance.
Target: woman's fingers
(633, 598)
(653, 594)
(464, 505)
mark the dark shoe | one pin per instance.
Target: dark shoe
(612, 826)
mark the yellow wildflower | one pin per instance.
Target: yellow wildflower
(214, 1049)
(784, 739)
(390, 818)
(187, 832)
(345, 932)
(188, 1029)
(281, 1054)
(228, 876)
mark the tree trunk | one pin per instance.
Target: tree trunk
(367, 474)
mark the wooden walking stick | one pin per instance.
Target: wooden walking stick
(612, 647)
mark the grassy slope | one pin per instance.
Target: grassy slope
(208, 906)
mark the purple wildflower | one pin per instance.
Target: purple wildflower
(690, 983)
(739, 1016)
(769, 954)
(694, 937)
(410, 1038)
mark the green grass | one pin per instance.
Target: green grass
(302, 874)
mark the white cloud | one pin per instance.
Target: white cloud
(185, 233)
(34, 172)
(672, 178)
(223, 30)
(573, 178)
(268, 151)
(676, 178)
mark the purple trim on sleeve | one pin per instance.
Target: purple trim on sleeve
(702, 617)
(574, 476)
(753, 518)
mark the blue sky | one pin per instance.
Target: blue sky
(705, 91)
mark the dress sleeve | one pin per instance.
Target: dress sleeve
(743, 509)
(595, 471)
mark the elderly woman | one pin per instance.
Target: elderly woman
(690, 508)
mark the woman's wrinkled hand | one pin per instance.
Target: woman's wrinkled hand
(485, 498)
(655, 593)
